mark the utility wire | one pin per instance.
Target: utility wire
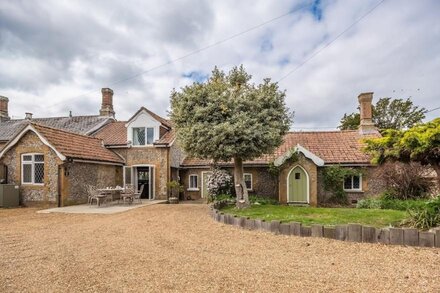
(331, 42)
(427, 111)
(191, 53)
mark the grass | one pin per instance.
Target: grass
(324, 216)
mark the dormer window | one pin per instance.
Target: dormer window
(143, 135)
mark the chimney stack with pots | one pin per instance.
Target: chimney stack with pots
(107, 103)
(4, 114)
(28, 116)
(366, 116)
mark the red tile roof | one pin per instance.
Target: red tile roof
(167, 138)
(77, 146)
(113, 133)
(334, 147)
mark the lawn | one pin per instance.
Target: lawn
(324, 216)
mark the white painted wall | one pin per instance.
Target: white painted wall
(143, 119)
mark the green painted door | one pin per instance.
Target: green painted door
(205, 176)
(297, 191)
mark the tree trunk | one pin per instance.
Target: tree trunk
(240, 186)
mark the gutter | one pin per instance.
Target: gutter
(96, 162)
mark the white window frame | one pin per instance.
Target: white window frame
(189, 183)
(252, 180)
(32, 163)
(145, 138)
(131, 175)
(353, 189)
(146, 135)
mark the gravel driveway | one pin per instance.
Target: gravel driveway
(179, 248)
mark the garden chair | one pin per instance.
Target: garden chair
(92, 194)
(137, 195)
(128, 193)
(95, 195)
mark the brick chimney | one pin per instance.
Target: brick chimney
(4, 114)
(366, 126)
(107, 103)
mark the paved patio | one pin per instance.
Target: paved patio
(109, 209)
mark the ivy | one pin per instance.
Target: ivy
(334, 181)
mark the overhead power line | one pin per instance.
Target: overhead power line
(190, 53)
(331, 42)
(427, 111)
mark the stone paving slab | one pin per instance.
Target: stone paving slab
(103, 209)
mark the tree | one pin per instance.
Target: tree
(420, 143)
(388, 114)
(229, 118)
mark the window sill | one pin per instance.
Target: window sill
(32, 184)
(193, 189)
(354, 190)
(143, 146)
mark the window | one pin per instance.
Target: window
(138, 135)
(127, 176)
(32, 166)
(193, 182)
(143, 136)
(150, 135)
(248, 180)
(297, 176)
(353, 183)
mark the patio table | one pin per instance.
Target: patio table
(110, 192)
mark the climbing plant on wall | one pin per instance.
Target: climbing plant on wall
(334, 181)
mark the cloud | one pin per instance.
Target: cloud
(56, 56)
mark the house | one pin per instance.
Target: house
(54, 159)
(299, 181)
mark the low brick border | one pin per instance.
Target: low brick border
(350, 232)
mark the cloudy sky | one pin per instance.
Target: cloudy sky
(55, 56)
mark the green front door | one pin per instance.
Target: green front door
(298, 183)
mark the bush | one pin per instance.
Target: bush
(369, 203)
(425, 217)
(224, 197)
(262, 200)
(390, 204)
(404, 181)
(219, 183)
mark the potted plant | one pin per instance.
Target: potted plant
(174, 188)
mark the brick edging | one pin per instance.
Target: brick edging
(350, 232)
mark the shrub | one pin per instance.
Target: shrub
(219, 183)
(404, 181)
(425, 217)
(224, 197)
(369, 203)
(262, 200)
(390, 204)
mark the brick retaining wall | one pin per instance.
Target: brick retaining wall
(350, 232)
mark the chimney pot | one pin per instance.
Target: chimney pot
(366, 114)
(28, 116)
(4, 114)
(107, 103)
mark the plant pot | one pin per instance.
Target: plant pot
(173, 200)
